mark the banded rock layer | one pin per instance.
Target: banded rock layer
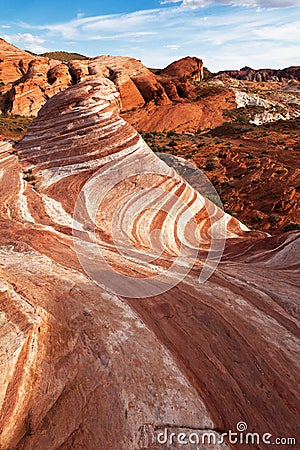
(85, 367)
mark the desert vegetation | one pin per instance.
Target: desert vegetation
(14, 127)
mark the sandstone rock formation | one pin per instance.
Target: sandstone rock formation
(84, 367)
(165, 101)
(156, 100)
(184, 116)
(28, 81)
(41, 82)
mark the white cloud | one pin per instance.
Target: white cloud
(193, 4)
(4, 26)
(109, 26)
(28, 41)
(289, 32)
(174, 47)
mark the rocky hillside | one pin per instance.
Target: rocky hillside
(107, 337)
(63, 56)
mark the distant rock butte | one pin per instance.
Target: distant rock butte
(81, 367)
(246, 73)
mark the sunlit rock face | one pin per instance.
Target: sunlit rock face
(87, 360)
(14, 62)
(27, 81)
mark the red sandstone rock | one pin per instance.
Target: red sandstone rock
(183, 116)
(29, 80)
(40, 83)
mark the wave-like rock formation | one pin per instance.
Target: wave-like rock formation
(91, 223)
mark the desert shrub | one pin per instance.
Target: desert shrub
(29, 178)
(256, 218)
(171, 133)
(273, 219)
(231, 212)
(292, 226)
(210, 165)
(156, 148)
(225, 184)
(224, 199)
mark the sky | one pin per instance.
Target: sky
(226, 34)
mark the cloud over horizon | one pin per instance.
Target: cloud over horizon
(32, 43)
(243, 3)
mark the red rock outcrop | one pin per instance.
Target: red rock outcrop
(183, 116)
(136, 84)
(28, 81)
(188, 68)
(41, 82)
(83, 367)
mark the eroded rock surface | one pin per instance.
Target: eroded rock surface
(82, 367)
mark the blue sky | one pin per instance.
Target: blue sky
(226, 34)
